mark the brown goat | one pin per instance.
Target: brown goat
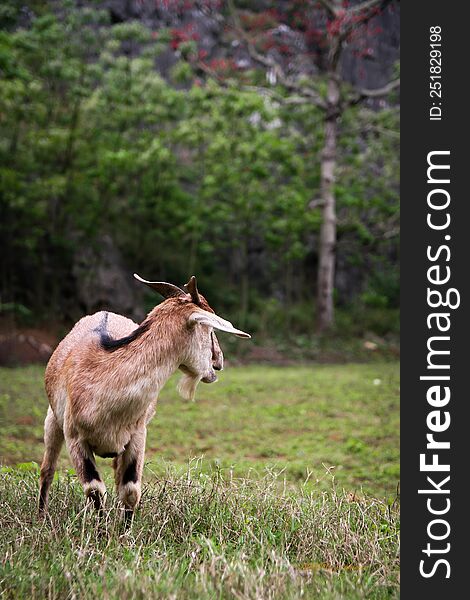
(104, 378)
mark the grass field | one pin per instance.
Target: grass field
(295, 493)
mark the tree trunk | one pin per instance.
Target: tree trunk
(326, 258)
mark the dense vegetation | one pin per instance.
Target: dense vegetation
(199, 536)
(183, 175)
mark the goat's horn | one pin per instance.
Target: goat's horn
(167, 290)
(191, 287)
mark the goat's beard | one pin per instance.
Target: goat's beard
(187, 386)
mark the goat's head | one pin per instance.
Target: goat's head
(202, 353)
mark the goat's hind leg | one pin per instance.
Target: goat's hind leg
(84, 462)
(53, 440)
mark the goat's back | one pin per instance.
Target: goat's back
(85, 332)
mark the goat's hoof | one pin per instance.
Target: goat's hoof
(97, 499)
(129, 494)
(95, 492)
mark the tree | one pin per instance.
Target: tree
(213, 175)
(248, 185)
(325, 27)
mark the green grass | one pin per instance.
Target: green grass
(198, 535)
(296, 493)
(302, 420)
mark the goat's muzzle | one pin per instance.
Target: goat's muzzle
(210, 378)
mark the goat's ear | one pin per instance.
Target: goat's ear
(167, 290)
(206, 318)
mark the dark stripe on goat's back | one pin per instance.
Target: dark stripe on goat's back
(110, 344)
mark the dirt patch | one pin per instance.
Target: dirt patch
(25, 420)
(23, 346)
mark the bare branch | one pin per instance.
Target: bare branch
(392, 233)
(283, 79)
(365, 6)
(299, 100)
(269, 63)
(303, 93)
(366, 9)
(353, 10)
(391, 228)
(262, 91)
(383, 91)
(270, 93)
(363, 94)
(316, 203)
(329, 6)
(206, 69)
(349, 23)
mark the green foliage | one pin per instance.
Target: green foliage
(209, 180)
(368, 208)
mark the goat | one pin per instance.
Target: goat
(103, 381)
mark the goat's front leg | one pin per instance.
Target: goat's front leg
(84, 462)
(128, 468)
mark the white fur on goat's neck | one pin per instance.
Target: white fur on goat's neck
(187, 386)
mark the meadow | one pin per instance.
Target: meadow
(277, 482)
